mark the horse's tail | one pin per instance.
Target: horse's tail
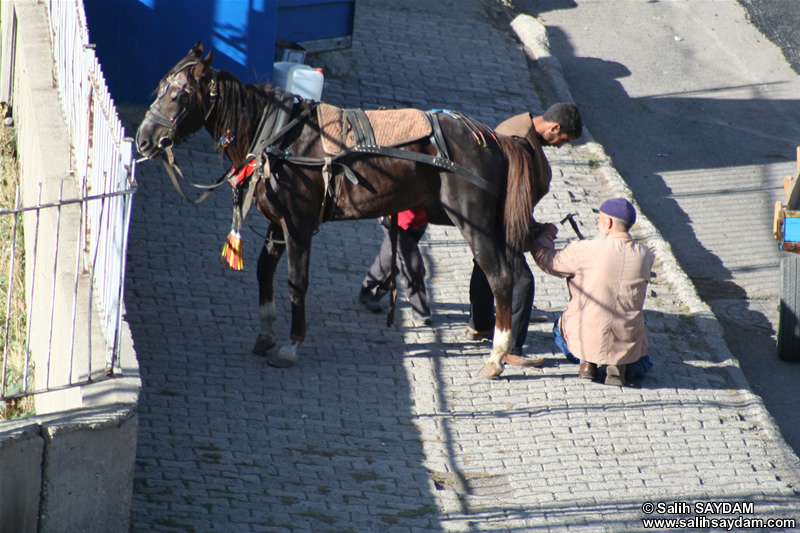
(520, 195)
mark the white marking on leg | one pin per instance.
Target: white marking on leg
(289, 352)
(500, 346)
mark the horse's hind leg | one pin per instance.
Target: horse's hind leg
(500, 277)
(490, 255)
(267, 264)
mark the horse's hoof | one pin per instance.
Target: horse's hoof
(490, 370)
(285, 357)
(280, 362)
(263, 344)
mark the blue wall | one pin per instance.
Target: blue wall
(138, 41)
(312, 20)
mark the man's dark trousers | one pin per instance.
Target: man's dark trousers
(410, 264)
(481, 309)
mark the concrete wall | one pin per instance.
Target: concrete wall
(70, 468)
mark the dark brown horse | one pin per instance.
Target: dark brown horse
(492, 211)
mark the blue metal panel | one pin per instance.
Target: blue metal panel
(138, 41)
(791, 229)
(310, 20)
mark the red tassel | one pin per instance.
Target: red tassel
(233, 251)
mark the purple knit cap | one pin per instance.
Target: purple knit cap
(619, 208)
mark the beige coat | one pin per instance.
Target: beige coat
(607, 281)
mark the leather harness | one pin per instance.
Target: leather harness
(268, 142)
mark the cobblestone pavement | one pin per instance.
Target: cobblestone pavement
(391, 429)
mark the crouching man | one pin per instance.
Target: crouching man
(607, 280)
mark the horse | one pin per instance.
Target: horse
(483, 184)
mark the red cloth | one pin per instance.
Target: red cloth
(246, 171)
(412, 218)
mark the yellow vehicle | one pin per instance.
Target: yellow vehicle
(786, 229)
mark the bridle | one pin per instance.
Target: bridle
(186, 96)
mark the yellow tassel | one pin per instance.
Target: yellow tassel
(233, 251)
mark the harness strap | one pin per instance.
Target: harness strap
(477, 130)
(369, 134)
(362, 129)
(438, 137)
(440, 162)
(393, 235)
(248, 197)
(213, 92)
(273, 124)
(268, 141)
(327, 174)
(173, 168)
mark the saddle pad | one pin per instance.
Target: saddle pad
(392, 127)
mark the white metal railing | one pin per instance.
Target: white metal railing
(104, 169)
(72, 368)
(102, 159)
(102, 153)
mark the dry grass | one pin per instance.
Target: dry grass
(12, 339)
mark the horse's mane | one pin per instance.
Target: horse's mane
(237, 112)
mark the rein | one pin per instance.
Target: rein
(173, 168)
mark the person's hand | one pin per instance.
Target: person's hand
(552, 229)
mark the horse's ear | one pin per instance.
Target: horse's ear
(197, 50)
(202, 67)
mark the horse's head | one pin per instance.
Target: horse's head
(184, 100)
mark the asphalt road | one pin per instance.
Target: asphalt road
(698, 109)
(779, 21)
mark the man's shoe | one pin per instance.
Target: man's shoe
(587, 371)
(473, 335)
(369, 303)
(615, 375)
(523, 360)
(424, 320)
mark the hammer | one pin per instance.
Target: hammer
(574, 224)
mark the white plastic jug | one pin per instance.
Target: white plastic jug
(282, 70)
(299, 79)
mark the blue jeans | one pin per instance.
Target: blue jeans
(633, 371)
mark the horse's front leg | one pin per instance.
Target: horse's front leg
(298, 244)
(267, 264)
